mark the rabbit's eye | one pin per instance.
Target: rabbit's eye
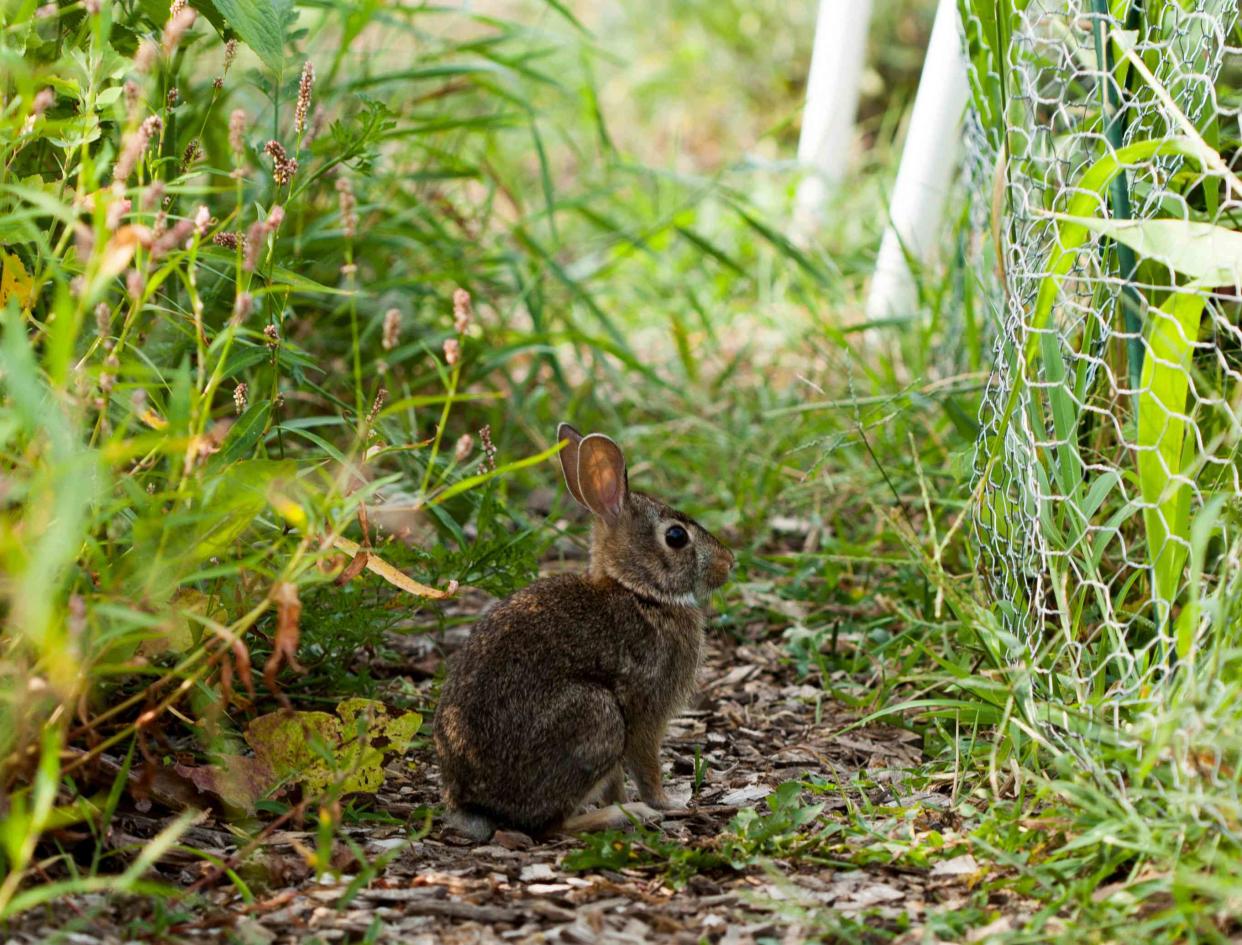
(676, 537)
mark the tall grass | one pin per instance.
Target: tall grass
(206, 417)
(242, 393)
(260, 274)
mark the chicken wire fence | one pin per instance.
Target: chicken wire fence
(1103, 159)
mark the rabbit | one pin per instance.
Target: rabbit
(570, 682)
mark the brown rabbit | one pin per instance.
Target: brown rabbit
(571, 681)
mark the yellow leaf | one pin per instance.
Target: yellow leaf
(15, 282)
(152, 419)
(392, 575)
(287, 509)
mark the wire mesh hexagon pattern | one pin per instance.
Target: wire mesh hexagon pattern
(1103, 148)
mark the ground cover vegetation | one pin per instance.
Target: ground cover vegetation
(294, 295)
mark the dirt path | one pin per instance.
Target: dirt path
(755, 725)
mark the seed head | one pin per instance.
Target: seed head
(271, 336)
(116, 212)
(465, 446)
(348, 207)
(489, 448)
(461, 311)
(107, 378)
(237, 132)
(229, 239)
(283, 166)
(175, 237)
(239, 397)
(202, 220)
(103, 319)
(136, 144)
(180, 19)
(452, 351)
(193, 153)
(230, 53)
(256, 237)
(145, 58)
(43, 100)
(242, 307)
(254, 245)
(304, 97)
(153, 195)
(392, 329)
(318, 118)
(83, 241)
(380, 396)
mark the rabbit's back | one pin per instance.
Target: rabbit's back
(534, 637)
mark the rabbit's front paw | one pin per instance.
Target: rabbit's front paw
(669, 800)
(659, 800)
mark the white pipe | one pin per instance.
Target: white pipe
(933, 143)
(827, 138)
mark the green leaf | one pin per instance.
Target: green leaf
(244, 434)
(1162, 464)
(295, 282)
(1209, 254)
(261, 24)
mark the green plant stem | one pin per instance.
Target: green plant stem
(454, 376)
(1119, 195)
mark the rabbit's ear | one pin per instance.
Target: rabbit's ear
(569, 460)
(601, 476)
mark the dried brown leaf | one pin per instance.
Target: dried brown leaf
(353, 569)
(285, 644)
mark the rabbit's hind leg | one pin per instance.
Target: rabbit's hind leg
(612, 817)
(611, 790)
(475, 826)
(572, 749)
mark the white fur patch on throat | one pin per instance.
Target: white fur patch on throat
(685, 599)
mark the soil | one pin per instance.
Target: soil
(755, 724)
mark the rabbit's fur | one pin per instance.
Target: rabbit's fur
(571, 681)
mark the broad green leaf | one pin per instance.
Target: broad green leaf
(1209, 254)
(295, 282)
(1072, 235)
(245, 433)
(230, 500)
(1072, 232)
(1161, 435)
(261, 24)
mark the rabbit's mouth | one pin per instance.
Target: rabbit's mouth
(720, 569)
